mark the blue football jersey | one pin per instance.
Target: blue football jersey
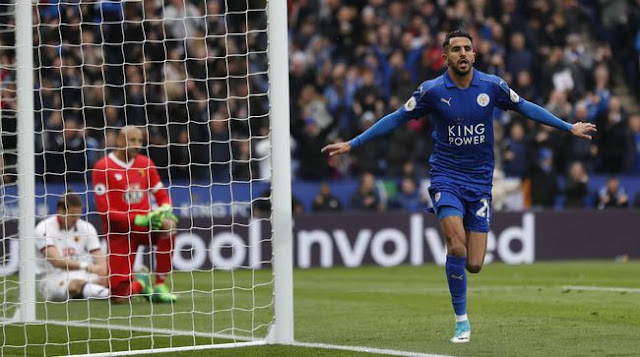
(463, 126)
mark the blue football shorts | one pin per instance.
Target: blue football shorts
(475, 209)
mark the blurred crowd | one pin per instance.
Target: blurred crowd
(194, 73)
(352, 62)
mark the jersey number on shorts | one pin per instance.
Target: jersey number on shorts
(484, 210)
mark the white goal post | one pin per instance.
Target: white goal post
(232, 268)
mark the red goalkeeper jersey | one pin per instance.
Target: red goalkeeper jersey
(121, 191)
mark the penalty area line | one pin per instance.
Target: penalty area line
(601, 288)
(379, 351)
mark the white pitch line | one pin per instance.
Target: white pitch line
(250, 341)
(161, 331)
(176, 349)
(602, 288)
(379, 351)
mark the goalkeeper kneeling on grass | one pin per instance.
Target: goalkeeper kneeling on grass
(122, 181)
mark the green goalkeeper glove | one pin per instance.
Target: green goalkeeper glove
(151, 219)
(154, 218)
(166, 211)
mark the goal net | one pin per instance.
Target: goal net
(194, 77)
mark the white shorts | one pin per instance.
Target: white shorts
(56, 287)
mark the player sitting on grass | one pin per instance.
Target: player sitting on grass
(71, 264)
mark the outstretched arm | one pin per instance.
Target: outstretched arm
(541, 115)
(385, 125)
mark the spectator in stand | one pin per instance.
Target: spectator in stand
(368, 159)
(181, 157)
(400, 149)
(220, 149)
(245, 166)
(313, 165)
(525, 87)
(136, 56)
(580, 151)
(503, 190)
(366, 198)
(516, 153)
(613, 135)
(544, 186)
(65, 156)
(182, 20)
(634, 144)
(325, 201)
(612, 195)
(408, 198)
(576, 187)
(519, 59)
(7, 176)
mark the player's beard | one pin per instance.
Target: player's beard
(457, 70)
(132, 153)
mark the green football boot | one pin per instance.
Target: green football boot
(161, 294)
(143, 278)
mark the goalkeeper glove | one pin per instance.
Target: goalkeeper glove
(165, 211)
(154, 218)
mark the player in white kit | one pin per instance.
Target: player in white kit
(70, 263)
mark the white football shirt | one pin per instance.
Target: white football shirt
(75, 243)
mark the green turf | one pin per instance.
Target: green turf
(514, 311)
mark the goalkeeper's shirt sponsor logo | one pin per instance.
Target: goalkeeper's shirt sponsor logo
(133, 195)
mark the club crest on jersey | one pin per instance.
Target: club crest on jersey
(514, 96)
(410, 104)
(483, 99)
(76, 238)
(100, 189)
(141, 172)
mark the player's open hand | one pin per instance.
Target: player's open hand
(582, 130)
(337, 148)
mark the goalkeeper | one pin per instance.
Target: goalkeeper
(122, 181)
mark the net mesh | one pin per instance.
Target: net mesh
(193, 75)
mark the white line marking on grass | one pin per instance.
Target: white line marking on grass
(379, 351)
(177, 349)
(601, 288)
(159, 331)
(249, 341)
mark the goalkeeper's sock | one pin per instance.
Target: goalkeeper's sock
(457, 279)
(160, 278)
(94, 291)
(127, 289)
(164, 246)
(136, 287)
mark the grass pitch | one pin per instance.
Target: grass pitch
(524, 310)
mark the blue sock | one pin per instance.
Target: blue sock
(457, 279)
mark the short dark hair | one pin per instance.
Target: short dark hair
(456, 33)
(69, 199)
